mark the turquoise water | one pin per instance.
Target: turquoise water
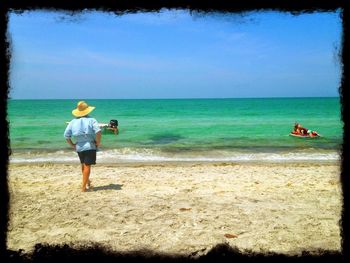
(182, 129)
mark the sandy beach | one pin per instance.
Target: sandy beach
(178, 208)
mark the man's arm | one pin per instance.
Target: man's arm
(98, 139)
(69, 141)
(68, 134)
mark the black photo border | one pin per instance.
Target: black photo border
(222, 252)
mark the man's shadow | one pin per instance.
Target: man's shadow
(107, 187)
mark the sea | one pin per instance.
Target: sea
(182, 130)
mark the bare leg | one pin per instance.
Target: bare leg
(82, 171)
(86, 175)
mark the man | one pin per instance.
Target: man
(87, 134)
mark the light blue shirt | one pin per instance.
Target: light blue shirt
(83, 130)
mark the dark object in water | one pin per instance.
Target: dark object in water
(113, 127)
(113, 123)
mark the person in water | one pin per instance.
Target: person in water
(113, 126)
(87, 134)
(300, 130)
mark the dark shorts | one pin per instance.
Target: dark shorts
(87, 157)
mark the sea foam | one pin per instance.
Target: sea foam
(154, 155)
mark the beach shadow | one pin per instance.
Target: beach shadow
(108, 187)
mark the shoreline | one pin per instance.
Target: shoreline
(183, 163)
(153, 157)
(178, 208)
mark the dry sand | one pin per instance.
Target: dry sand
(178, 208)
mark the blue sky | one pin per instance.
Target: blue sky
(173, 54)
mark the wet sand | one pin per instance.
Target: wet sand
(178, 208)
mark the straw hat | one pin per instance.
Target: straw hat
(82, 109)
